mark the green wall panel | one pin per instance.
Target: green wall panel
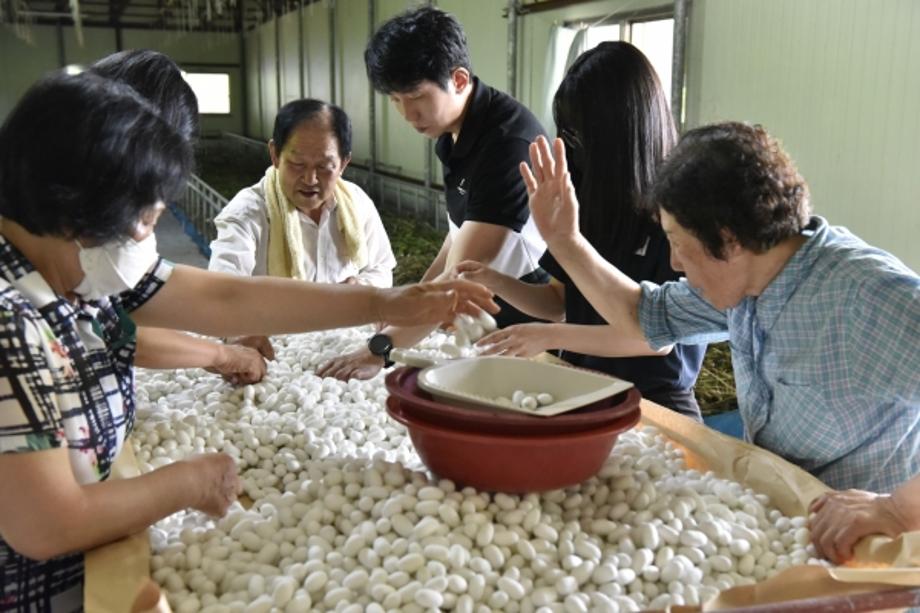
(25, 55)
(97, 43)
(486, 35)
(290, 57)
(352, 87)
(837, 82)
(316, 51)
(268, 69)
(400, 149)
(253, 86)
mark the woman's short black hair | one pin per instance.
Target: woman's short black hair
(612, 114)
(158, 79)
(733, 176)
(294, 113)
(83, 157)
(421, 44)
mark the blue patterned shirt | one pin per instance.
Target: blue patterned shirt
(826, 359)
(66, 380)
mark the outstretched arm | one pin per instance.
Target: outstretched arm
(543, 301)
(219, 304)
(528, 340)
(164, 349)
(51, 514)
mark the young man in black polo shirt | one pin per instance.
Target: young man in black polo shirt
(420, 59)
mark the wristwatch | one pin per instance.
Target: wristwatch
(381, 345)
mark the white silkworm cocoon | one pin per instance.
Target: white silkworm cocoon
(345, 518)
(451, 350)
(486, 321)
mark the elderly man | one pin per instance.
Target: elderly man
(824, 329)
(303, 220)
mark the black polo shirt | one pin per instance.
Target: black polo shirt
(664, 379)
(481, 176)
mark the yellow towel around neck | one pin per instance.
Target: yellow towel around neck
(285, 240)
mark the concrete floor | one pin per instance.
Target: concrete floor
(175, 245)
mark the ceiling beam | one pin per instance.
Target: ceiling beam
(144, 14)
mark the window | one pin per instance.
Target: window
(599, 34)
(212, 90)
(655, 38)
(652, 33)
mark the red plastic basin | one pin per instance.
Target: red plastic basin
(402, 383)
(514, 464)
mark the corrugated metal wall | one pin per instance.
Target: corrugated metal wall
(27, 55)
(839, 82)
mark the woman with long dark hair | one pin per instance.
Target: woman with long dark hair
(613, 116)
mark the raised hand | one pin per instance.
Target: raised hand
(553, 204)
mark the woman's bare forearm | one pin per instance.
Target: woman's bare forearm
(52, 515)
(599, 340)
(226, 305)
(164, 348)
(542, 301)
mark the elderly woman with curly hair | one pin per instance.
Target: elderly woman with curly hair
(824, 329)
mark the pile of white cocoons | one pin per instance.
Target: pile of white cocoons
(440, 347)
(345, 518)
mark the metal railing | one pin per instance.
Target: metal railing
(200, 203)
(402, 196)
(391, 192)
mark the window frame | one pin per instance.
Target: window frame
(191, 69)
(624, 19)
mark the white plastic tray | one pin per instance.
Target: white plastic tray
(481, 380)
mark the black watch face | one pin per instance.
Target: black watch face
(380, 344)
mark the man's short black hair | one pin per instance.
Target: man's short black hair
(158, 79)
(297, 112)
(422, 44)
(733, 176)
(83, 157)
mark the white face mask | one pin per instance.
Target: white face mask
(114, 267)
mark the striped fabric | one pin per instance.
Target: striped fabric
(66, 380)
(826, 360)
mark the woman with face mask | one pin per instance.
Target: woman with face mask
(85, 167)
(613, 117)
(159, 80)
